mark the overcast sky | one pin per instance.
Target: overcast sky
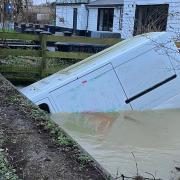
(41, 1)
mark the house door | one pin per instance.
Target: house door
(105, 19)
(74, 20)
(150, 18)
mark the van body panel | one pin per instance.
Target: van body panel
(117, 55)
(98, 91)
(139, 73)
(172, 103)
(158, 96)
(142, 73)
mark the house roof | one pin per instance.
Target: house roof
(105, 3)
(70, 2)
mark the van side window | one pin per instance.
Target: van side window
(44, 107)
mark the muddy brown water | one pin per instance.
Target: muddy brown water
(118, 140)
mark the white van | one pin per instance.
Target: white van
(138, 73)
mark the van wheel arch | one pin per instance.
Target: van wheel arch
(44, 107)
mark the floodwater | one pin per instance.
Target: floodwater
(19, 87)
(120, 139)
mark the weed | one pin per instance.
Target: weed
(64, 140)
(84, 159)
(49, 125)
(6, 171)
(36, 113)
(14, 99)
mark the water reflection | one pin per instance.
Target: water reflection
(152, 136)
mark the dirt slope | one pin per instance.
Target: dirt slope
(32, 148)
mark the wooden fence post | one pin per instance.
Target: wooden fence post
(43, 41)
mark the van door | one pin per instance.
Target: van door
(147, 79)
(97, 91)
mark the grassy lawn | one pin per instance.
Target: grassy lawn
(8, 30)
(29, 67)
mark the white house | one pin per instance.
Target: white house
(123, 17)
(164, 15)
(72, 15)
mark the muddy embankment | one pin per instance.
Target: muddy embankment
(32, 147)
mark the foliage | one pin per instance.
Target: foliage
(6, 171)
(84, 159)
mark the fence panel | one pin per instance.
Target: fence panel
(30, 62)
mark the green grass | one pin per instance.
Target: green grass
(8, 30)
(28, 68)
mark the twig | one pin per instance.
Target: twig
(135, 178)
(136, 164)
(151, 175)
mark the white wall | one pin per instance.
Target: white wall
(82, 18)
(66, 12)
(173, 23)
(128, 19)
(93, 17)
(174, 18)
(116, 27)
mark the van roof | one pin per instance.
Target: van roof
(73, 72)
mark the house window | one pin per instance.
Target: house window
(150, 18)
(105, 19)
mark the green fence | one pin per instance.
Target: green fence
(30, 63)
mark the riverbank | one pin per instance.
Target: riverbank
(32, 147)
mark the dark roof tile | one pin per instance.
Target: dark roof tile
(106, 3)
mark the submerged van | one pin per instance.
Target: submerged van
(135, 74)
